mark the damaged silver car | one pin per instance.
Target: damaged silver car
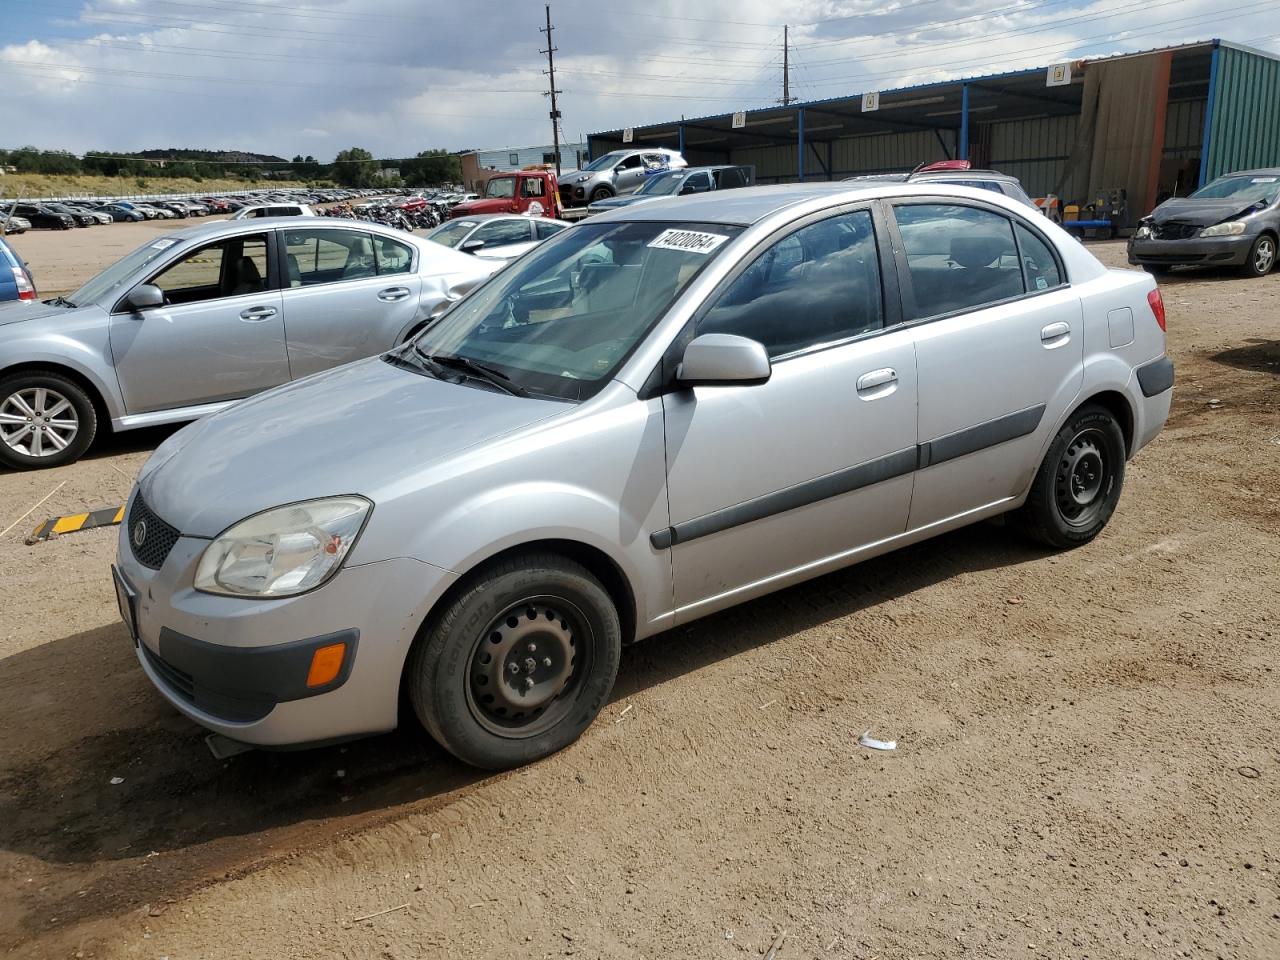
(1232, 222)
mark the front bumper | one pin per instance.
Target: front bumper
(1225, 251)
(239, 666)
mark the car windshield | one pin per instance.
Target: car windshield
(452, 233)
(559, 322)
(606, 162)
(664, 184)
(1245, 189)
(116, 274)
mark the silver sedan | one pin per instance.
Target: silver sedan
(495, 236)
(195, 320)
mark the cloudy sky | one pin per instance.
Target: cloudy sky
(398, 76)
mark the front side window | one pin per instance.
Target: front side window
(531, 187)
(234, 267)
(495, 233)
(697, 183)
(631, 162)
(959, 257)
(327, 256)
(818, 285)
(501, 188)
(562, 319)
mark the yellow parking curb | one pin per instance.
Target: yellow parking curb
(56, 526)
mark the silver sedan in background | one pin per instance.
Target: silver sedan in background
(497, 236)
(197, 319)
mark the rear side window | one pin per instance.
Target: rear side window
(546, 229)
(327, 256)
(1039, 265)
(818, 285)
(959, 258)
(393, 256)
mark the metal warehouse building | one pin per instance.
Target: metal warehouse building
(1153, 124)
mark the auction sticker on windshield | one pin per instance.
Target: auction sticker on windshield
(690, 241)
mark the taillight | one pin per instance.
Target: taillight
(1157, 306)
(26, 289)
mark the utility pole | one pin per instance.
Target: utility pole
(551, 74)
(786, 65)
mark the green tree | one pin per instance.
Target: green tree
(431, 167)
(354, 167)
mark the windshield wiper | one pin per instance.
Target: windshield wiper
(60, 302)
(476, 369)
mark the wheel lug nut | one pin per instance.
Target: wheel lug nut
(528, 683)
(532, 648)
(513, 667)
(546, 661)
(530, 665)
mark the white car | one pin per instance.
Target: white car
(273, 210)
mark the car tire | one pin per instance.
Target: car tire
(600, 193)
(1262, 257)
(518, 663)
(1078, 485)
(25, 389)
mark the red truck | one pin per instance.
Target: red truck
(532, 192)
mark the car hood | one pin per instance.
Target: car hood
(360, 429)
(473, 208)
(1200, 213)
(581, 177)
(14, 311)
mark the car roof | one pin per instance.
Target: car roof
(748, 205)
(226, 228)
(486, 217)
(961, 175)
(1260, 172)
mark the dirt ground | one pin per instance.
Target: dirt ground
(1088, 758)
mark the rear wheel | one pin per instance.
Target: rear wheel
(1078, 485)
(1262, 257)
(519, 663)
(46, 420)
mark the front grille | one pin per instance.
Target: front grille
(183, 684)
(150, 538)
(1175, 231)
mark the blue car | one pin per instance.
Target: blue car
(15, 278)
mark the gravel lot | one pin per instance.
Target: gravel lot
(1088, 758)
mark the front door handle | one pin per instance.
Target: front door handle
(392, 294)
(1055, 334)
(877, 378)
(257, 314)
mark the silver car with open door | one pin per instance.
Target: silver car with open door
(665, 411)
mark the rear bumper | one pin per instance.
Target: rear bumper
(1156, 377)
(1226, 251)
(1153, 398)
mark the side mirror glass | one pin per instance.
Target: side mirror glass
(471, 246)
(723, 359)
(144, 296)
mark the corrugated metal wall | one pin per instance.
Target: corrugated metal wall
(1184, 128)
(1245, 127)
(1035, 151)
(877, 153)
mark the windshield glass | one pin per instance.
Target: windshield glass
(116, 274)
(1244, 189)
(607, 161)
(560, 321)
(451, 234)
(501, 187)
(664, 184)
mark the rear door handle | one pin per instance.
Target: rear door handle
(257, 314)
(392, 294)
(877, 378)
(1055, 334)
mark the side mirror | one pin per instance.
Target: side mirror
(471, 246)
(723, 359)
(144, 296)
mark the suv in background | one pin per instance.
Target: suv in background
(622, 171)
(679, 183)
(274, 210)
(958, 173)
(40, 217)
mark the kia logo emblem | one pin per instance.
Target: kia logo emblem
(139, 533)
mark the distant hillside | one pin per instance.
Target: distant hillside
(211, 156)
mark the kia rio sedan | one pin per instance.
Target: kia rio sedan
(195, 320)
(665, 411)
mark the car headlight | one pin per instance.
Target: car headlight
(284, 551)
(1232, 229)
(1142, 233)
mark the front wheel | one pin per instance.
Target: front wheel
(45, 421)
(1262, 257)
(1077, 487)
(519, 663)
(600, 193)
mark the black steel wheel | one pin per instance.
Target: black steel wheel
(600, 193)
(1078, 484)
(1262, 257)
(518, 662)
